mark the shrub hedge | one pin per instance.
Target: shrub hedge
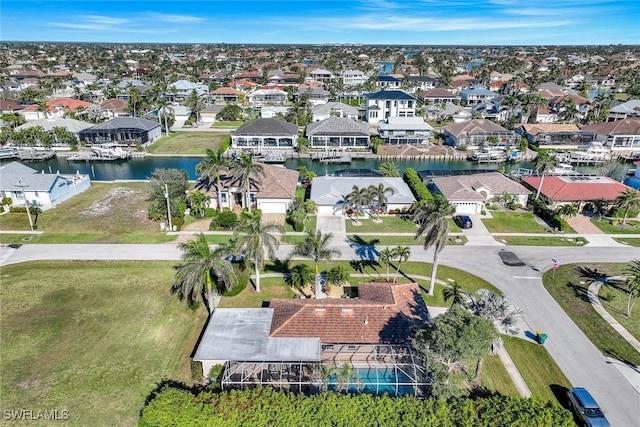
(267, 407)
(543, 211)
(413, 180)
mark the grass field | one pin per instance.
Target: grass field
(512, 222)
(92, 338)
(545, 240)
(635, 242)
(187, 143)
(494, 376)
(569, 288)
(540, 372)
(105, 213)
(617, 307)
(631, 227)
(390, 223)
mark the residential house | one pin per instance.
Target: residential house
(578, 190)
(449, 111)
(405, 130)
(24, 185)
(47, 125)
(625, 110)
(265, 134)
(353, 78)
(475, 133)
(9, 106)
(470, 193)
(273, 193)
(320, 75)
(56, 108)
(114, 108)
(262, 97)
(553, 135)
(210, 112)
(181, 90)
(224, 95)
(290, 343)
(438, 96)
(544, 114)
(273, 111)
(316, 95)
(284, 79)
(123, 89)
(124, 131)
(333, 109)
(558, 104)
(476, 94)
(388, 82)
(338, 133)
(494, 109)
(252, 77)
(381, 105)
(328, 192)
(424, 83)
(621, 137)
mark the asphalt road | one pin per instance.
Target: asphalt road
(583, 364)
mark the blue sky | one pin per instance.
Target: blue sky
(424, 22)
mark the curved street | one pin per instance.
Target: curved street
(583, 364)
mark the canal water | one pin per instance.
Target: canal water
(140, 169)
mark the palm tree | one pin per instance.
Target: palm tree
(337, 276)
(386, 256)
(433, 227)
(299, 276)
(212, 167)
(355, 199)
(633, 285)
(247, 173)
(402, 253)
(567, 211)
(255, 239)
(198, 202)
(316, 247)
(628, 200)
(199, 266)
(544, 164)
(389, 169)
(453, 293)
(164, 110)
(378, 194)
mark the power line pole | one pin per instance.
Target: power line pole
(166, 194)
(26, 201)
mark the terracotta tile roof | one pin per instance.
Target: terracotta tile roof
(384, 313)
(226, 91)
(278, 183)
(536, 128)
(114, 105)
(437, 93)
(69, 104)
(573, 189)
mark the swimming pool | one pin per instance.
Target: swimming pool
(376, 381)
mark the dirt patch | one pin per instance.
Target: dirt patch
(104, 205)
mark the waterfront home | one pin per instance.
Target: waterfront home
(315, 95)
(114, 108)
(575, 189)
(320, 75)
(290, 344)
(438, 96)
(625, 110)
(405, 130)
(553, 135)
(353, 78)
(388, 82)
(24, 185)
(124, 131)
(328, 192)
(424, 83)
(183, 89)
(338, 133)
(389, 103)
(210, 113)
(476, 94)
(56, 108)
(262, 97)
(273, 111)
(622, 137)
(475, 133)
(448, 111)
(265, 134)
(469, 193)
(47, 125)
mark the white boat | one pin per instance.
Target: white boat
(595, 152)
(111, 150)
(563, 169)
(488, 156)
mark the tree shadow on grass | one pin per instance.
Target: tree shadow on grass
(579, 291)
(278, 266)
(362, 266)
(590, 273)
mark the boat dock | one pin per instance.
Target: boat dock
(336, 156)
(36, 156)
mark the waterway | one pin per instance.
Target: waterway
(141, 169)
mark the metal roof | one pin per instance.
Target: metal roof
(243, 334)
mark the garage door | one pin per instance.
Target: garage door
(273, 207)
(468, 208)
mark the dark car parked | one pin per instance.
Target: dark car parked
(463, 221)
(586, 408)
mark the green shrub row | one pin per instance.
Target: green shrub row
(224, 220)
(33, 210)
(543, 211)
(242, 281)
(415, 183)
(267, 407)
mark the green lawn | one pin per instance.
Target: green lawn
(105, 213)
(495, 377)
(187, 143)
(569, 288)
(389, 224)
(540, 372)
(617, 307)
(630, 227)
(270, 287)
(92, 338)
(234, 124)
(512, 222)
(309, 224)
(545, 240)
(635, 242)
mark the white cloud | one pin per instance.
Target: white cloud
(177, 19)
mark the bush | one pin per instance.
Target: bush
(177, 223)
(7, 201)
(224, 220)
(243, 281)
(196, 371)
(298, 226)
(419, 190)
(210, 212)
(543, 211)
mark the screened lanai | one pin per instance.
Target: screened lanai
(354, 368)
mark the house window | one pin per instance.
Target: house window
(223, 198)
(36, 193)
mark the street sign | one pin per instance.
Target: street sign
(555, 266)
